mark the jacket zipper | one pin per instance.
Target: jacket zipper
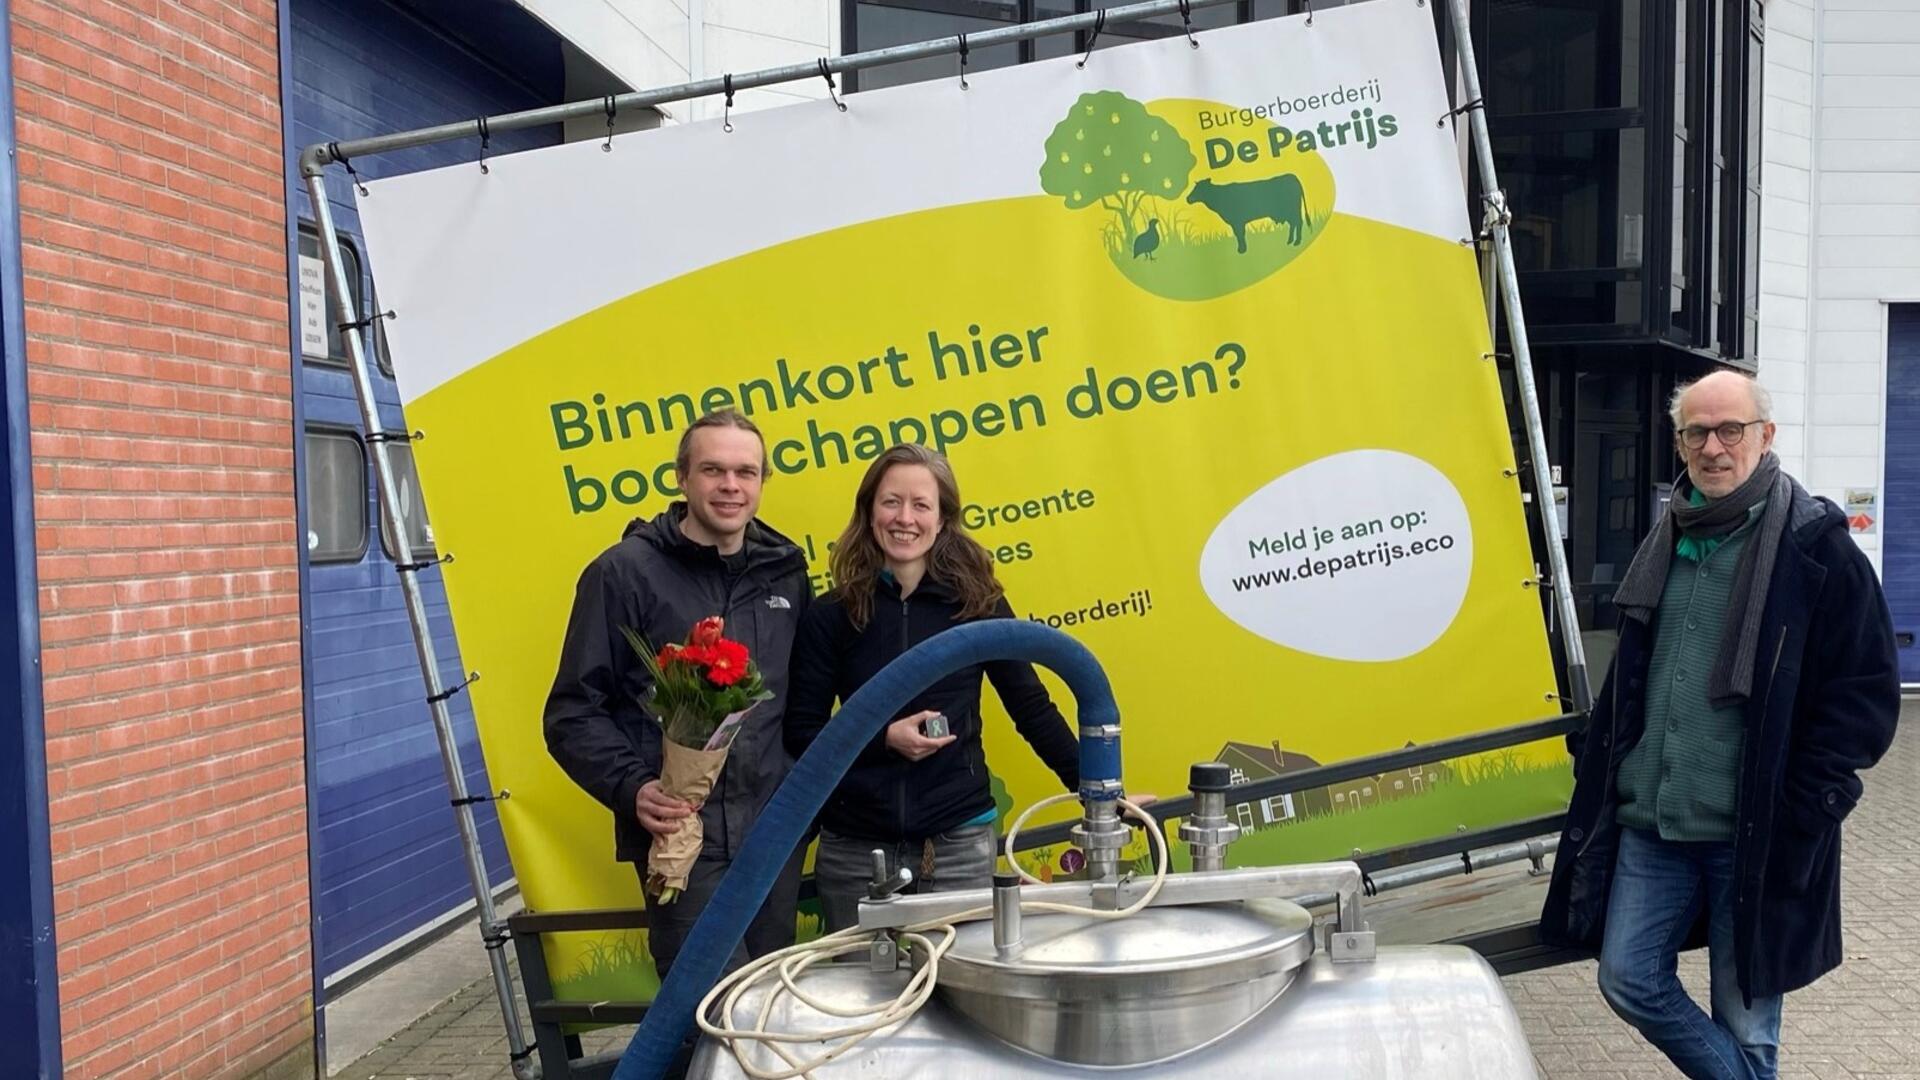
(906, 642)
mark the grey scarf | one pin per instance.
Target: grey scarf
(1638, 596)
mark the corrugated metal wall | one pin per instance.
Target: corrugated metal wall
(387, 855)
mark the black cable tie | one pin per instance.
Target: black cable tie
(1466, 857)
(470, 800)
(486, 139)
(1309, 5)
(435, 699)
(393, 436)
(495, 939)
(1367, 887)
(1186, 20)
(522, 1055)
(963, 61)
(333, 151)
(1476, 103)
(416, 567)
(1099, 24)
(726, 116)
(828, 75)
(362, 324)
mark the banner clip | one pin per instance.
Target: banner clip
(435, 699)
(726, 116)
(828, 75)
(607, 147)
(362, 324)
(1309, 6)
(416, 567)
(1476, 103)
(963, 61)
(333, 151)
(1099, 24)
(1186, 21)
(486, 137)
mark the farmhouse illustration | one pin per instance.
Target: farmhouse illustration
(1251, 762)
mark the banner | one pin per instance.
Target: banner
(1197, 327)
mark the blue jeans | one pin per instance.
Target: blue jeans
(960, 858)
(1658, 889)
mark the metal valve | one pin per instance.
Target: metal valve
(884, 886)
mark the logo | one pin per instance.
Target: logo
(779, 603)
(1178, 224)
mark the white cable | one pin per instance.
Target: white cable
(783, 971)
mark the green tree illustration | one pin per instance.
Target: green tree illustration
(1110, 150)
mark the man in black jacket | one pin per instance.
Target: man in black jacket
(705, 556)
(1754, 681)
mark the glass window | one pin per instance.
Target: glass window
(336, 490)
(877, 26)
(413, 509)
(1563, 56)
(1576, 197)
(350, 258)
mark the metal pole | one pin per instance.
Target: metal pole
(318, 156)
(1534, 850)
(1497, 218)
(492, 931)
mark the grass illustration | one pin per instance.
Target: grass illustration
(1197, 257)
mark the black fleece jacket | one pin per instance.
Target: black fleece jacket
(884, 796)
(660, 583)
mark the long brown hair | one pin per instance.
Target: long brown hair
(956, 560)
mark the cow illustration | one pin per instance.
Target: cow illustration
(1278, 199)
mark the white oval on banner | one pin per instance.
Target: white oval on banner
(1364, 555)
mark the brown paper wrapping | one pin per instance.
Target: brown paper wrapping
(688, 775)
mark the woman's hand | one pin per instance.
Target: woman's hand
(905, 738)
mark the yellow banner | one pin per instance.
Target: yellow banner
(1215, 379)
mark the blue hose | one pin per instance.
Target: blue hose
(794, 806)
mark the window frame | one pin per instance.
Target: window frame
(356, 286)
(431, 549)
(329, 431)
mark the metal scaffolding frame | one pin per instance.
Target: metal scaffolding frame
(314, 160)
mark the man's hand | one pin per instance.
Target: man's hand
(660, 813)
(905, 738)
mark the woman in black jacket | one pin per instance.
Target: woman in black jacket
(905, 570)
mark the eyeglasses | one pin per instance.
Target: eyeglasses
(1729, 433)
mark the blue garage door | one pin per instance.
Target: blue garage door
(1900, 553)
(387, 857)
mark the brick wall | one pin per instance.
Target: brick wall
(153, 237)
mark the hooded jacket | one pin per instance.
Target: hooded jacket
(1825, 701)
(660, 583)
(884, 796)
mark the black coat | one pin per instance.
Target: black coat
(660, 583)
(1825, 701)
(884, 796)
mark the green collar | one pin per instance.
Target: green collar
(1697, 549)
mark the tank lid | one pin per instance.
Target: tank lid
(1216, 964)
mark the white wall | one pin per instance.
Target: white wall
(1786, 220)
(1862, 236)
(655, 43)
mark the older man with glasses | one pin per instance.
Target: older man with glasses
(1755, 679)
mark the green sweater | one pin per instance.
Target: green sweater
(1683, 777)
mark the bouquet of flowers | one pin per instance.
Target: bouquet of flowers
(702, 690)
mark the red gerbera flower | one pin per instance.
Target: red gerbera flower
(726, 662)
